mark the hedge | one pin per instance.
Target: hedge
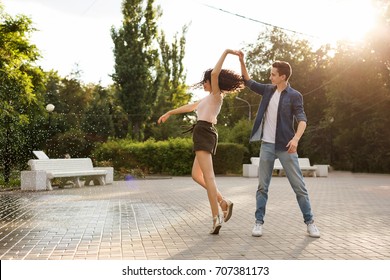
(170, 157)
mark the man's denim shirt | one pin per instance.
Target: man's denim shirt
(290, 108)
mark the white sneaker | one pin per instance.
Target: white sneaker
(257, 230)
(217, 224)
(313, 230)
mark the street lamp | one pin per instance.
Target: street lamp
(249, 107)
(331, 120)
(49, 109)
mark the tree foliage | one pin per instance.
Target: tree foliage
(136, 62)
(98, 121)
(18, 76)
(172, 92)
(346, 92)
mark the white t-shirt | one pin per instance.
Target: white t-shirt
(271, 118)
(209, 108)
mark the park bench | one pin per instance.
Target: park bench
(69, 170)
(40, 155)
(304, 165)
(251, 170)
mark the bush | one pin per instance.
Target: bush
(14, 181)
(172, 157)
(73, 142)
(229, 158)
(240, 134)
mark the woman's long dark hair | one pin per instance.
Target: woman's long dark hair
(228, 80)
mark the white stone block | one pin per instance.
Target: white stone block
(110, 174)
(322, 170)
(33, 180)
(250, 170)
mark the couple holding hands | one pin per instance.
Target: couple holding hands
(273, 126)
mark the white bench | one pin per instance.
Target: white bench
(304, 165)
(40, 155)
(278, 168)
(71, 169)
(251, 170)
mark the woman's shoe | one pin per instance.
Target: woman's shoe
(217, 224)
(229, 209)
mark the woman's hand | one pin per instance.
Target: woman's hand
(163, 118)
(240, 55)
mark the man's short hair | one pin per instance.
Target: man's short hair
(284, 68)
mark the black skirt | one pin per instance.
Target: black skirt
(205, 137)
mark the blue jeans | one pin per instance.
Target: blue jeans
(290, 164)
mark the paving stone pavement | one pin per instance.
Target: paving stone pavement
(169, 219)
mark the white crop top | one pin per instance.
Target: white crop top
(209, 108)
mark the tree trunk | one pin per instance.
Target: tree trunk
(7, 157)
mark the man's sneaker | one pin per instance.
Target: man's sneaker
(313, 230)
(257, 230)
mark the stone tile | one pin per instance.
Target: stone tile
(170, 219)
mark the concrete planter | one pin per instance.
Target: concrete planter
(33, 180)
(110, 174)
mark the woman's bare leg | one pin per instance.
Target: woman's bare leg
(197, 176)
(205, 162)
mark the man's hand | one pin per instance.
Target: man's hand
(292, 146)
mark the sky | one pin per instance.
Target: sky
(75, 34)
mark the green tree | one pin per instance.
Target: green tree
(379, 37)
(136, 62)
(18, 74)
(172, 91)
(98, 122)
(71, 99)
(360, 107)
